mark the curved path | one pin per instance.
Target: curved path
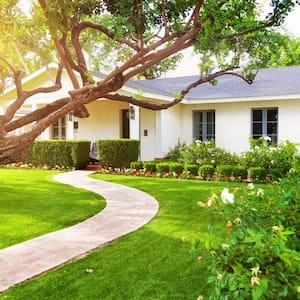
(126, 210)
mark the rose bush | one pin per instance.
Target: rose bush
(256, 253)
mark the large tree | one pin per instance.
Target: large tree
(143, 37)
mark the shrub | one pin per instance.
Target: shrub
(257, 174)
(265, 155)
(205, 153)
(255, 254)
(239, 173)
(224, 172)
(136, 165)
(72, 154)
(117, 153)
(150, 166)
(191, 169)
(163, 167)
(277, 173)
(175, 153)
(207, 172)
(176, 168)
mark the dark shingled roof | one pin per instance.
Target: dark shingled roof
(268, 82)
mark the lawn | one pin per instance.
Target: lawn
(33, 204)
(154, 262)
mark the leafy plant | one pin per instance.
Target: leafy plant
(207, 172)
(256, 251)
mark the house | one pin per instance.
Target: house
(229, 112)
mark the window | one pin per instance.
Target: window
(265, 123)
(204, 125)
(59, 129)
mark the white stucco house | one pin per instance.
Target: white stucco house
(230, 112)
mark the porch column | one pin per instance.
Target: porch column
(134, 123)
(158, 135)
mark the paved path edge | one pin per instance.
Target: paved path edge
(127, 209)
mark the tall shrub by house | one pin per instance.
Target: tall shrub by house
(118, 153)
(66, 153)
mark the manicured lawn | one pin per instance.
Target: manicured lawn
(154, 262)
(33, 204)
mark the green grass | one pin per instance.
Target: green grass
(154, 262)
(33, 204)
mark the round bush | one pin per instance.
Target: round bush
(176, 168)
(136, 165)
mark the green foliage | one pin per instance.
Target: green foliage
(269, 156)
(256, 251)
(67, 153)
(136, 165)
(150, 166)
(239, 173)
(224, 172)
(163, 167)
(192, 169)
(257, 174)
(277, 173)
(117, 153)
(204, 153)
(207, 172)
(176, 168)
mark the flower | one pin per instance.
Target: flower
(255, 280)
(255, 271)
(275, 228)
(220, 276)
(267, 139)
(211, 200)
(250, 186)
(200, 297)
(229, 225)
(238, 221)
(225, 246)
(260, 192)
(226, 196)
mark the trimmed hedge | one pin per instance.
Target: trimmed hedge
(277, 173)
(207, 172)
(257, 174)
(191, 169)
(150, 166)
(224, 172)
(163, 167)
(136, 165)
(176, 168)
(118, 153)
(239, 173)
(65, 153)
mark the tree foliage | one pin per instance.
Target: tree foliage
(144, 39)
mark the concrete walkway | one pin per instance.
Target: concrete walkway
(126, 210)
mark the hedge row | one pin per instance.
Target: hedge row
(207, 172)
(117, 153)
(67, 153)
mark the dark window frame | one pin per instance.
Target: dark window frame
(265, 124)
(207, 128)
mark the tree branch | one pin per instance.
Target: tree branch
(144, 104)
(82, 26)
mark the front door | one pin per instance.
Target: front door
(125, 130)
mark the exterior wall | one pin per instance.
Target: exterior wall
(148, 134)
(104, 121)
(233, 122)
(170, 128)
